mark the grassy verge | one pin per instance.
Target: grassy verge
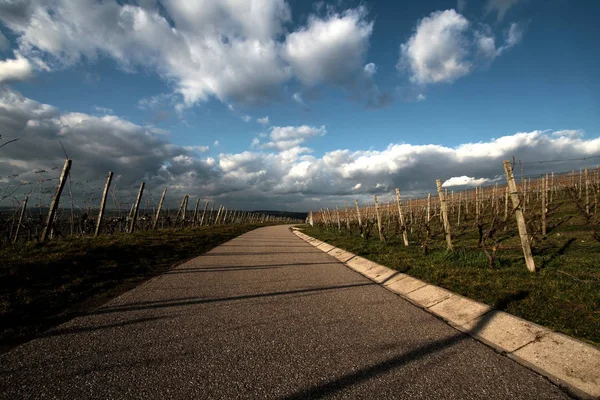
(563, 295)
(42, 285)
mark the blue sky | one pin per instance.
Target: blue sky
(358, 95)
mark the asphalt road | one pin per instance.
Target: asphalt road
(266, 316)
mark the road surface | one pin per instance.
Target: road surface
(267, 316)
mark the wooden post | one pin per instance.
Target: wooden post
(428, 207)
(444, 212)
(195, 219)
(459, 205)
(506, 204)
(20, 219)
(204, 213)
(103, 203)
(337, 214)
(381, 238)
(358, 213)
(587, 193)
(56, 199)
(516, 202)
(402, 225)
(136, 207)
(179, 211)
(477, 205)
(544, 203)
(218, 215)
(184, 211)
(160, 204)
(346, 215)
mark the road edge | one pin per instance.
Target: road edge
(568, 362)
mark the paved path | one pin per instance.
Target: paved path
(265, 315)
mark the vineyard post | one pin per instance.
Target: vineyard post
(195, 219)
(506, 204)
(459, 206)
(346, 214)
(514, 195)
(496, 199)
(428, 207)
(310, 219)
(476, 205)
(544, 205)
(402, 225)
(103, 204)
(216, 221)
(552, 190)
(204, 213)
(358, 213)
(136, 207)
(580, 183)
(20, 219)
(526, 193)
(381, 238)
(587, 193)
(179, 211)
(160, 204)
(337, 215)
(184, 211)
(56, 199)
(444, 212)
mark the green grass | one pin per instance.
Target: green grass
(42, 285)
(564, 294)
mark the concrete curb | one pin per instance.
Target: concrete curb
(568, 362)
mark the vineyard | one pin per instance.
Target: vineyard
(485, 242)
(46, 204)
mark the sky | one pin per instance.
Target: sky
(295, 105)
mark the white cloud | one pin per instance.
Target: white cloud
(438, 50)
(421, 97)
(16, 69)
(298, 99)
(232, 50)
(500, 7)
(246, 118)
(370, 69)
(199, 149)
(283, 175)
(513, 36)
(465, 181)
(446, 46)
(330, 50)
(104, 110)
(289, 137)
(216, 143)
(264, 121)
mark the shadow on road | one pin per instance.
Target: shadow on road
(196, 300)
(348, 380)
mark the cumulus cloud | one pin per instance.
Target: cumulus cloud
(465, 181)
(331, 49)
(286, 174)
(264, 121)
(289, 137)
(16, 69)
(232, 50)
(445, 46)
